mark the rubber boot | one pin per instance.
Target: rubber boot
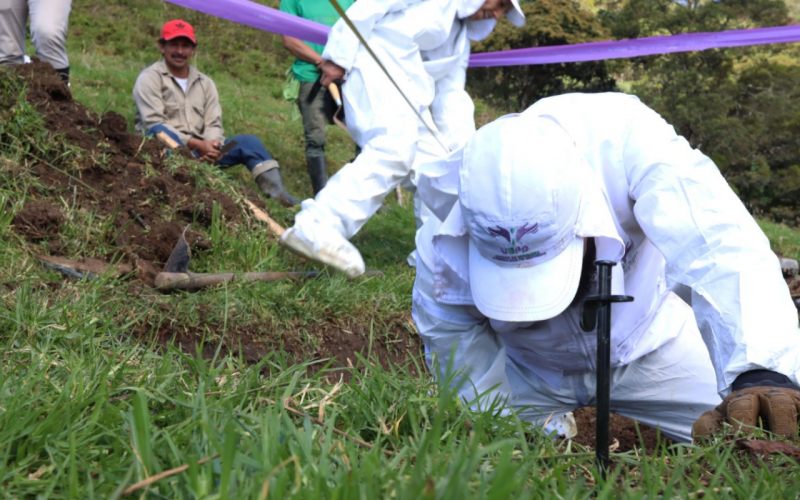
(63, 73)
(317, 172)
(268, 178)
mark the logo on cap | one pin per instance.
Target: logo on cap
(180, 25)
(515, 252)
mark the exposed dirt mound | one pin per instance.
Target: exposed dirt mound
(622, 429)
(116, 174)
(38, 220)
(149, 201)
(339, 342)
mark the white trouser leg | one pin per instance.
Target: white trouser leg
(357, 191)
(13, 17)
(385, 127)
(49, 20)
(383, 124)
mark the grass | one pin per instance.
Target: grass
(91, 401)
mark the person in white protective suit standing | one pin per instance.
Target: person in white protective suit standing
(533, 199)
(424, 46)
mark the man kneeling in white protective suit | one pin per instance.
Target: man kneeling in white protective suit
(424, 46)
(540, 196)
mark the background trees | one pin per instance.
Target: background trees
(549, 22)
(739, 106)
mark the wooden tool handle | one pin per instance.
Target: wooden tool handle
(168, 282)
(263, 217)
(334, 90)
(167, 140)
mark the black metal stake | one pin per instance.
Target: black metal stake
(597, 312)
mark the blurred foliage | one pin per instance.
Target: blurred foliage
(549, 22)
(739, 106)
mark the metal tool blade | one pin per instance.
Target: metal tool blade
(180, 257)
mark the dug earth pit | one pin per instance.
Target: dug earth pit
(622, 430)
(114, 174)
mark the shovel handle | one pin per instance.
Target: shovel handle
(334, 90)
(167, 140)
(263, 217)
(169, 282)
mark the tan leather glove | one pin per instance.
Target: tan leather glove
(777, 409)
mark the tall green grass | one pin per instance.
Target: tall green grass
(92, 403)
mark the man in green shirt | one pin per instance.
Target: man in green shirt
(306, 72)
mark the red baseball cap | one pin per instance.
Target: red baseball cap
(177, 28)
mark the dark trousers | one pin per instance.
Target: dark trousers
(313, 119)
(249, 151)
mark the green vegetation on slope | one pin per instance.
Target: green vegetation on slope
(91, 401)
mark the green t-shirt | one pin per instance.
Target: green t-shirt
(320, 11)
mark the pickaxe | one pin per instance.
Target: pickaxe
(597, 312)
(176, 275)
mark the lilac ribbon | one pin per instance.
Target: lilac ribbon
(595, 51)
(260, 17)
(268, 19)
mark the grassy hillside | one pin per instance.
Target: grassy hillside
(106, 382)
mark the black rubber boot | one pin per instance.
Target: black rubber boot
(63, 73)
(271, 184)
(317, 172)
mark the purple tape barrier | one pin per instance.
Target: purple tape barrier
(268, 19)
(596, 51)
(261, 17)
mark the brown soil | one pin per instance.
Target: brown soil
(622, 429)
(794, 285)
(337, 345)
(118, 175)
(38, 220)
(109, 179)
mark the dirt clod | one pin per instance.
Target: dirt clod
(622, 429)
(38, 220)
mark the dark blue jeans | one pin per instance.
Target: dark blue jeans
(248, 151)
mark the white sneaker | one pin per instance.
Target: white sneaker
(324, 245)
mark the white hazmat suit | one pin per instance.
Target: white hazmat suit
(424, 45)
(690, 254)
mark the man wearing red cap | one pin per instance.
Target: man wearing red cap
(173, 97)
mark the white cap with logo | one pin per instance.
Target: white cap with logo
(521, 196)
